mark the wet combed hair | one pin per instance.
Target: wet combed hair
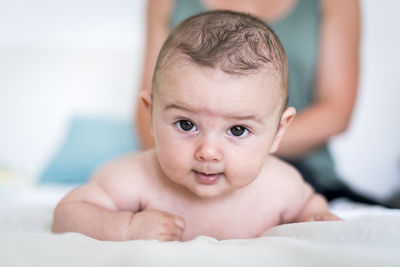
(236, 43)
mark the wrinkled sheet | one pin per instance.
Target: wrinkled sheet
(369, 236)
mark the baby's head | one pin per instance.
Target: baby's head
(220, 89)
(235, 43)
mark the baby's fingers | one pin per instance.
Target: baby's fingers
(326, 216)
(164, 238)
(330, 217)
(178, 232)
(174, 234)
(179, 222)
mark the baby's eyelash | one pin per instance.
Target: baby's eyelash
(239, 131)
(185, 125)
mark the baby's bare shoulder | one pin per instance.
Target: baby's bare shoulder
(121, 168)
(290, 188)
(283, 179)
(125, 178)
(282, 171)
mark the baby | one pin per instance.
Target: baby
(218, 113)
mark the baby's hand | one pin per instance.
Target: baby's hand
(323, 216)
(154, 224)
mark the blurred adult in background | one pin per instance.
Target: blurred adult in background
(321, 39)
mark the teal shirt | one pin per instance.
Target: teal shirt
(299, 34)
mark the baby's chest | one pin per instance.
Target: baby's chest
(234, 221)
(242, 216)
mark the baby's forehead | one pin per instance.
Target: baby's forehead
(179, 69)
(182, 75)
(182, 67)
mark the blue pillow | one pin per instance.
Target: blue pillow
(90, 142)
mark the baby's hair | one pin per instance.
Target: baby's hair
(236, 43)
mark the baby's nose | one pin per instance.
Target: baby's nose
(209, 151)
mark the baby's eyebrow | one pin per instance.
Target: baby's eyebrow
(175, 106)
(254, 118)
(244, 118)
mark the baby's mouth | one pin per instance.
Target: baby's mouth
(207, 179)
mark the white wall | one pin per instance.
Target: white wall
(60, 58)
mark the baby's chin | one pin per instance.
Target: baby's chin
(207, 193)
(210, 191)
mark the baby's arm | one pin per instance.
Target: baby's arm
(315, 208)
(302, 204)
(91, 210)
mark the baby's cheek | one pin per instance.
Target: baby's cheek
(176, 159)
(242, 173)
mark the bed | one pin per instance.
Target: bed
(369, 236)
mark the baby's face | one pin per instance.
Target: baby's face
(213, 131)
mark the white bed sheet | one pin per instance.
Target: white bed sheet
(369, 236)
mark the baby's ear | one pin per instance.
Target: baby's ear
(286, 118)
(145, 96)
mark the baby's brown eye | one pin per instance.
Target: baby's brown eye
(238, 131)
(185, 125)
